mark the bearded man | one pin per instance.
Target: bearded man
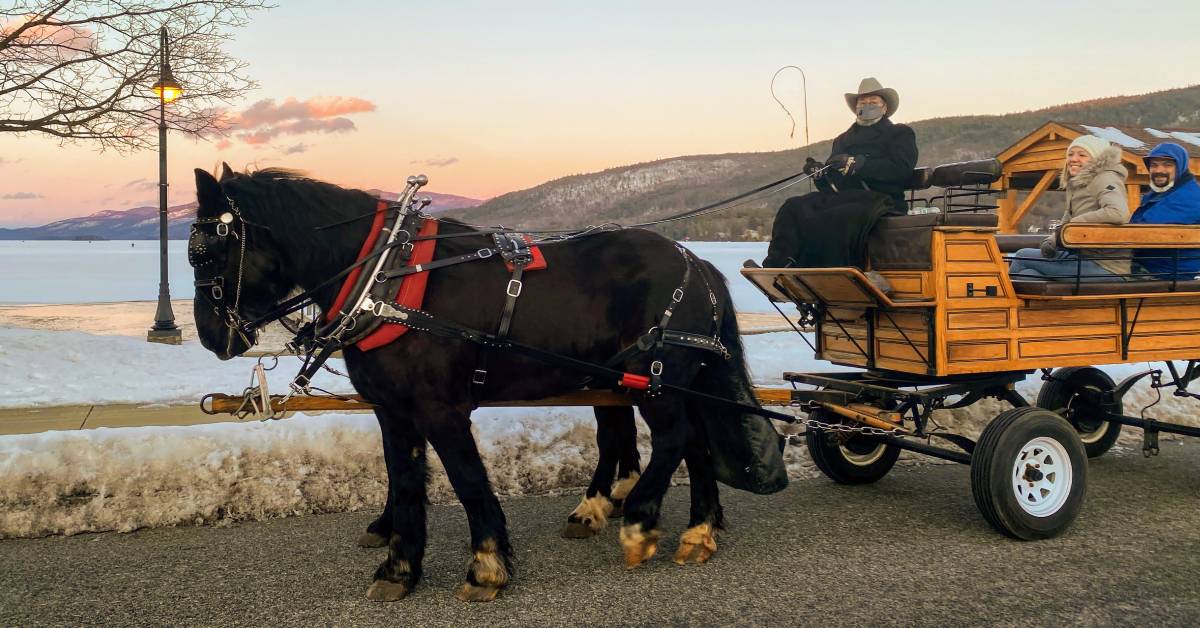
(1174, 198)
(862, 180)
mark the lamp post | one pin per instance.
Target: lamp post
(168, 90)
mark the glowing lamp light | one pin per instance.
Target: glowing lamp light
(167, 88)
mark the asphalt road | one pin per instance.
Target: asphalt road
(909, 550)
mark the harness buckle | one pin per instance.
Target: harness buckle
(479, 377)
(218, 293)
(677, 296)
(514, 288)
(656, 368)
(222, 229)
(484, 253)
(381, 277)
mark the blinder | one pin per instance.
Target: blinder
(208, 254)
(207, 247)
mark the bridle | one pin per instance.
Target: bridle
(208, 251)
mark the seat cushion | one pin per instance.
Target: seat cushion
(904, 242)
(978, 172)
(1100, 288)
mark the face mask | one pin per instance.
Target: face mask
(869, 114)
(1164, 188)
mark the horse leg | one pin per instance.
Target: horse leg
(629, 466)
(380, 530)
(404, 450)
(669, 432)
(592, 514)
(699, 541)
(490, 568)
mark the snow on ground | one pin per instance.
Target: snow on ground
(41, 368)
(127, 478)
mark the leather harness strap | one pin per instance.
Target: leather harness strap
(514, 251)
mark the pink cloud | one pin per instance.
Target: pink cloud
(264, 134)
(266, 119)
(50, 42)
(266, 112)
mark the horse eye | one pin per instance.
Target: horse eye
(226, 218)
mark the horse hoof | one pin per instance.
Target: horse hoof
(386, 591)
(588, 518)
(370, 539)
(577, 530)
(637, 545)
(697, 544)
(474, 593)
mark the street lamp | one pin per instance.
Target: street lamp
(168, 90)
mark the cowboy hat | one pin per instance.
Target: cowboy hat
(870, 85)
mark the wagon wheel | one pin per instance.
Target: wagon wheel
(848, 458)
(1029, 473)
(1062, 394)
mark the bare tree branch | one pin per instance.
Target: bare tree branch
(81, 70)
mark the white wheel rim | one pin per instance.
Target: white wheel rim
(1094, 435)
(1042, 476)
(863, 460)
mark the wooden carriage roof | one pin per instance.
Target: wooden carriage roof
(1036, 160)
(1134, 142)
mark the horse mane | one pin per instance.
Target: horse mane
(280, 174)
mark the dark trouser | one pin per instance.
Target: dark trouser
(825, 229)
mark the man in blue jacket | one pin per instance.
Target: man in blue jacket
(1174, 199)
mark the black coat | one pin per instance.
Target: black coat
(886, 153)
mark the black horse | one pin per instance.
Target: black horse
(600, 295)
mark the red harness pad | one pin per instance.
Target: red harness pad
(368, 244)
(538, 263)
(412, 290)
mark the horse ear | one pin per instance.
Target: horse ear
(209, 194)
(226, 172)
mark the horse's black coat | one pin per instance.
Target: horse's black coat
(598, 296)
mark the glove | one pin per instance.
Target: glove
(845, 164)
(812, 166)
(1049, 248)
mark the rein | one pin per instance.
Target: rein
(566, 234)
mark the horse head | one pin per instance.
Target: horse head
(239, 271)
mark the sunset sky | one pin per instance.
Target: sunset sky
(491, 97)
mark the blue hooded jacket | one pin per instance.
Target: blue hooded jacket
(1179, 205)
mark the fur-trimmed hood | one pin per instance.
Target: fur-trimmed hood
(1109, 159)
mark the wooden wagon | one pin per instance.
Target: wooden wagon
(957, 328)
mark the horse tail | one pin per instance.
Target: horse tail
(746, 450)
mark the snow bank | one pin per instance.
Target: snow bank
(129, 478)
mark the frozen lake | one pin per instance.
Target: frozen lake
(123, 270)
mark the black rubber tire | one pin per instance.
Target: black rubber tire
(1061, 392)
(827, 453)
(992, 468)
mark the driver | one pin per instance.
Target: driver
(862, 180)
(874, 153)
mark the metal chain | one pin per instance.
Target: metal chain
(811, 423)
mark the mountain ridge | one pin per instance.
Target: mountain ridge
(141, 223)
(616, 194)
